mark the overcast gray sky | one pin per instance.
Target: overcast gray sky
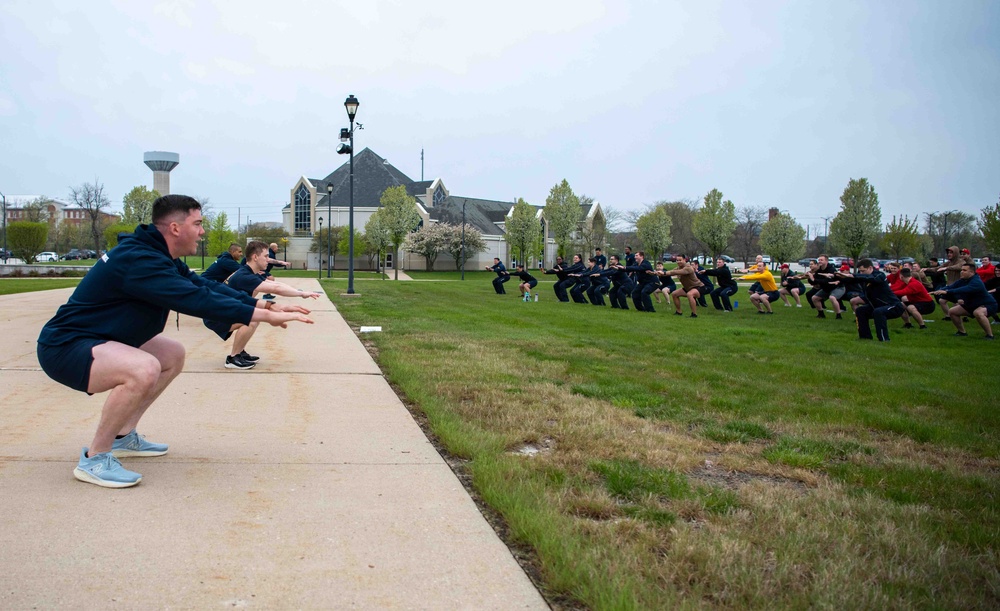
(773, 103)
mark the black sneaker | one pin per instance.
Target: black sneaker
(908, 326)
(989, 337)
(821, 314)
(694, 316)
(269, 297)
(237, 362)
(960, 334)
(249, 358)
(839, 317)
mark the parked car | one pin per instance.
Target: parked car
(47, 257)
(74, 254)
(805, 262)
(667, 257)
(767, 259)
(5, 254)
(727, 258)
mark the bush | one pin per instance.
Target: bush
(27, 239)
(111, 234)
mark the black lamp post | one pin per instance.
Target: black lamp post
(463, 238)
(4, 226)
(351, 105)
(320, 257)
(329, 224)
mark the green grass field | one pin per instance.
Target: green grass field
(9, 286)
(733, 460)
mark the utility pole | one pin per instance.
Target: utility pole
(421, 165)
(826, 232)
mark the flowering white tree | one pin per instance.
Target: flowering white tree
(428, 241)
(474, 243)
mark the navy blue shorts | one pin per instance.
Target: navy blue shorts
(69, 364)
(772, 296)
(222, 329)
(532, 283)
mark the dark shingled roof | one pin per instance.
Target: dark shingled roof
(372, 176)
(483, 214)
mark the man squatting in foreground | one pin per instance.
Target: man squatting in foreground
(249, 279)
(108, 336)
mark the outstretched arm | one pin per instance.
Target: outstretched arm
(285, 290)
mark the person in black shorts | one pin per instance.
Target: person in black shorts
(249, 279)
(108, 336)
(528, 282)
(791, 284)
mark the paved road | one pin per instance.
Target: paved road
(304, 483)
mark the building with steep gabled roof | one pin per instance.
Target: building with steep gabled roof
(312, 202)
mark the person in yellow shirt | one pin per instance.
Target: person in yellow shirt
(762, 301)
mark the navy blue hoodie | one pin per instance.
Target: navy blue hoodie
(128, 294)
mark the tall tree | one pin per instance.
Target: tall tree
(137, 206)
(989, 226)
(749, 220)
(859, 219)
(951, 228)
(653, 229)
(400, 217)
(112, 231)
(474, 243)
(715, 222)
(783, 238)
(562, 211)
(523, 229)
(901, 237)
(320, 243)
(218, 234)
(681, 215)
(26, 239)
(36, 211)
(90, 197)
(427, 241)
(377, 238)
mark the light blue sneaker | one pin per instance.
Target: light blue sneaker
(104, 470)
(135, 444)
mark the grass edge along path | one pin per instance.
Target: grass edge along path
(788, 484)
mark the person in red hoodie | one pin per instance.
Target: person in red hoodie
(985, 270)
(915, 297)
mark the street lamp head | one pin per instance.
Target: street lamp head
(344, 149)
(345, 134)
(329, 187)
(351, 104)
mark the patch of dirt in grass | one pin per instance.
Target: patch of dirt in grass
(533, 449)
(711, 473)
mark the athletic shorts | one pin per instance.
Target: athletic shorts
(837, 293)
(532, 283)
(222, 329)
(991, 309)
(69, 364)
(852, 295)
(772, 295)
(925, 307)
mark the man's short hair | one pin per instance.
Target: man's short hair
(824, 256)
(971, 266)
(592, 260)
(865, 263)
(685, 257)
(170, 205)
(254, 247)
(615, 257)
(905, 273)
(273, 245)
(642, 252)
(234, 248)
(598, 250)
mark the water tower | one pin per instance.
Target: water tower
(161, 163)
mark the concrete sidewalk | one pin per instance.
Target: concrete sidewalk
(302, 484)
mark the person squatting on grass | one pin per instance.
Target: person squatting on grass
(582, 281)
(727, 286)
(108, 336)
(879, 302)
(667, 284)
(971, 299)
(691, 287)
(528, 282)
(249, 279)
(791, 284)
(502, 276)
(769, 289)
(829, 288)
(646, 283)
(621, 284)
(915, 297)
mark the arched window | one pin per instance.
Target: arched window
(302, 209)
